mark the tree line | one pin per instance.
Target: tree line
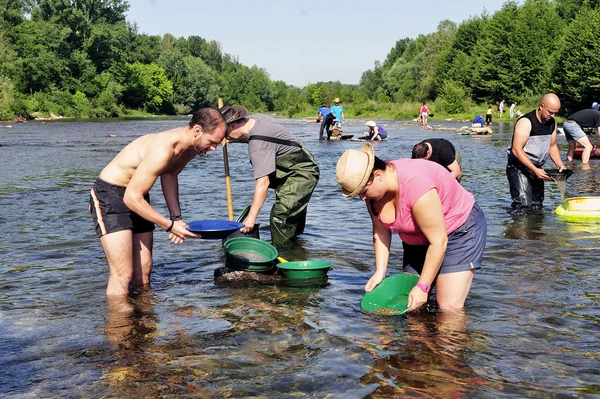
(82, 58)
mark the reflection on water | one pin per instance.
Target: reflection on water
(529, 328)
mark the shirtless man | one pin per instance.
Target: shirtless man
(119, 200)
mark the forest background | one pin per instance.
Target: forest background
(83, 59)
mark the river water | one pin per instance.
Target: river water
(530, 326)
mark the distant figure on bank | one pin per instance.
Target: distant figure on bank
(488, 115)
(120, 203)
(424, 113)
(511, 110)
(501, 108)
(478, 121)
(326, 117)
(533, 141)
(338, 112)
(440, 151)
(574, 134)
(376, 132)
(279, 161)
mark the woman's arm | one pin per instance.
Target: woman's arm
(375, 133)
(429, 217)
(382, 239)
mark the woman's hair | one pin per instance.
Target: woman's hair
(379, 164)
(208, 118)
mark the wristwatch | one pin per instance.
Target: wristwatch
(424, 287)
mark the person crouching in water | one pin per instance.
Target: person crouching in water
(442, 228)
(376, 132)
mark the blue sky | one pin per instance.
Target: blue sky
(302, 42)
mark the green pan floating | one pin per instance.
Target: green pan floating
(390, 297)
(304, 270)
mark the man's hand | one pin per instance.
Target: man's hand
(249, 222)
(179, 232)
(541, 174)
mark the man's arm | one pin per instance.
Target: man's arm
(520, 137)
(555, 152)
(169, 183)
(454, 169)
(155, 161)
(260, 195)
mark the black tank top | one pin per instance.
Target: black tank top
(537, 147)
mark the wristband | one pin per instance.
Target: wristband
(175, 217)
(170, 227)
(424, 287)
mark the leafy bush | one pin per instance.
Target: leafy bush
(7, 99)
(81, 105)
(453, 97)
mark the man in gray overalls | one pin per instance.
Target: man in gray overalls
(279, 161)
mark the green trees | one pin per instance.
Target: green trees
(147, 88)
(576, 72)
(82, 58)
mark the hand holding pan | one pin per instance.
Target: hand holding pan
(556, 174)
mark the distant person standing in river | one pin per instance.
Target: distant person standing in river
(511, 110)
(120, 200)
(326, 117)
(488, 115)
(424, 113)
(533, 141)
(338, 112)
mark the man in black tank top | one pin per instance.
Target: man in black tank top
(533, 141)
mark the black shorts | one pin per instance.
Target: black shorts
(110, 214)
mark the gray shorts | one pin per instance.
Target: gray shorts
(573, 131)
(464, 250)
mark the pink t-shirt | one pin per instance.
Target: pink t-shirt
(424, 109)
(415, 178)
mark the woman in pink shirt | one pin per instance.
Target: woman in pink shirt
(424, 114)
(443, 230)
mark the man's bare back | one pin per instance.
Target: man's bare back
(162, 149)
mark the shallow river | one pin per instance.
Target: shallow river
(530, 326)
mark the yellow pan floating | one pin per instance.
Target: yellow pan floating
(580, 208)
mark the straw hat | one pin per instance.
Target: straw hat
(336, 100)
(371, 124)
(354, 169)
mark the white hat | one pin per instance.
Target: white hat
(354, 169)
(371, 124)
(595, 105)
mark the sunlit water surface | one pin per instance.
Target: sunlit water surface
(530, 326)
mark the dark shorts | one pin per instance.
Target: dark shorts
(464, 250)
(488, 118)
(110, 214)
